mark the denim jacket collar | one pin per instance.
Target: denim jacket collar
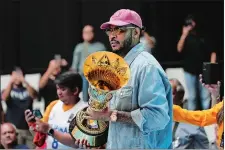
(133, 53)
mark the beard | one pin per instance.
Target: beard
(127, 45)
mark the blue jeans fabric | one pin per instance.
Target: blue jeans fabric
(189, 136)
(192, 83)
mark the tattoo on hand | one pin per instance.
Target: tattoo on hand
(124, 117)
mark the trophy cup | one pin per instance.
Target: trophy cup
(106, 72)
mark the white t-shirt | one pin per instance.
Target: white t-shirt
(60, 120)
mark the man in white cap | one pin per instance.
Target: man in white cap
(140, 113)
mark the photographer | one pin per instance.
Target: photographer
(195, 52)
(19, 96)
(47, 88)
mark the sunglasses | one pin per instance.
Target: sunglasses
(117, 30)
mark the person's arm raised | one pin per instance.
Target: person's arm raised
(183, 37)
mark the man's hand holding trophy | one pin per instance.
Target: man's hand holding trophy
(106, 72)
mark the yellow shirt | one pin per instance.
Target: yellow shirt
(200, 118)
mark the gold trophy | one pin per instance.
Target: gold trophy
(106, 72)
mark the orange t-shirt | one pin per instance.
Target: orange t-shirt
(200, 118)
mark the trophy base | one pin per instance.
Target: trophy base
(96, 134)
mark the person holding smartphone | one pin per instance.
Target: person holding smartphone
(19, 96)
(195, 50)
(47, 88)
(59, 113)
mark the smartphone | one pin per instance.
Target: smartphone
(37, 114)
(212, 72)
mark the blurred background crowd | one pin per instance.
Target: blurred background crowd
(41, 39)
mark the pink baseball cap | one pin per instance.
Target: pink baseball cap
(123, 17)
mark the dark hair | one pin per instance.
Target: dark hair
(141, 29)
(70, 80)
(178, 92)
(16, 68)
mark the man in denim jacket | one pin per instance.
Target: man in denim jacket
(140, 113)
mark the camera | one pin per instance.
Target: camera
(188, 22)
(189, 19)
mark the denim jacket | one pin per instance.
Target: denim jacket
(148, 96)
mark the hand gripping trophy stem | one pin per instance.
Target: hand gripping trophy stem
(106, 72)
